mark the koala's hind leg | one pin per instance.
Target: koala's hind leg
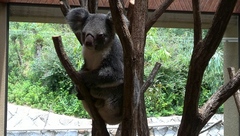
(109, 103)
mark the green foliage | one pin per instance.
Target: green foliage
(37, 79)
(173, 48)
(37, 96)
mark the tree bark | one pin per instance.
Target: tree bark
(129, 105)
(133, 42)
(193, 119)
(92, 6)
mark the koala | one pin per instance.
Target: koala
(102, 71)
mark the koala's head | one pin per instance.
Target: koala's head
(97, 30)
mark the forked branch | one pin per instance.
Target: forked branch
(193, 119)
(217, 99)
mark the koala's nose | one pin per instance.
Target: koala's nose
(89, 40)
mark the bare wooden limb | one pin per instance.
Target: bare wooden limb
(197, 22)
(140, 13)
(65, 7)
(231, 72)
(92, 6)
(126, 40)
(84, 3)
(157, 13)
(98, 125)
(151, 77)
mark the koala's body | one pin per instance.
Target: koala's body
(102, 71)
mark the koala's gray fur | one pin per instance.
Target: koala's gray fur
(102, 71)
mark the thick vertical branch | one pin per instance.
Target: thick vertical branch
(133, 47)
(195, 75)
(92, 6)
(139, 18)
(129, 98)
(139, 35)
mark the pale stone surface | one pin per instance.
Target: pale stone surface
(25, 121)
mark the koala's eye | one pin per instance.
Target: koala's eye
(101, 36)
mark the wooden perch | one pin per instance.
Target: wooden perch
(231, 72)
(151, 77)
(98, 123)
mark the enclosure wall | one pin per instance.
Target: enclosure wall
(3, 58)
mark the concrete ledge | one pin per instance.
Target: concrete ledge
(22, 120)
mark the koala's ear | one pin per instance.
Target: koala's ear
(109, 17)
(76, 18)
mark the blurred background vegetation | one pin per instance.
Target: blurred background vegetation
(37, 79)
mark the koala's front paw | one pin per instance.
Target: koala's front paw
(82, 74)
